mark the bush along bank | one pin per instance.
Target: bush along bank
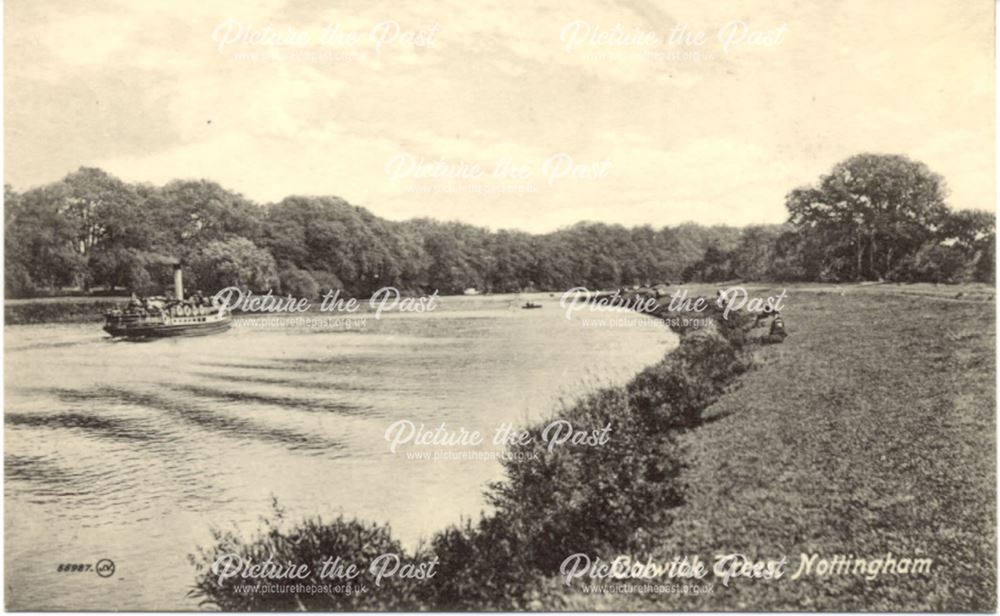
(553, 502)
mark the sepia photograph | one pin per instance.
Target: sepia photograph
(549, 306)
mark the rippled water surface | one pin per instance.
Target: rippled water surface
(132, 451)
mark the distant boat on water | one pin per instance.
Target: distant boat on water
(530, 306)
(470, 291)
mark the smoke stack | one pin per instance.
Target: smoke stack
(178, 282)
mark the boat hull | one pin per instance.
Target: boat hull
(172, 330)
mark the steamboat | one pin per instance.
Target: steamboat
(161, 317)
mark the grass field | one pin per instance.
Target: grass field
(870, 430)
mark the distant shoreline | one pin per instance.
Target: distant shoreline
(91, 309)
(85, 309)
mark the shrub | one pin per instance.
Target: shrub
(570, 498)
(309, 542)
(17, 280)
(481, 567)
(937, 263)
(674, 393)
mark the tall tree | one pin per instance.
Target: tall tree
(873, 210)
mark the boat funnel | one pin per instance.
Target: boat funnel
(178, 282)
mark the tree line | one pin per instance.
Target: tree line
(873, 217)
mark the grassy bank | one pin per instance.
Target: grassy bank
(59, 309)
(870, 430)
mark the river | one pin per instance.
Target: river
(133, 451)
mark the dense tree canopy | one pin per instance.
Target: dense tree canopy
(871, 213)
(872, 217)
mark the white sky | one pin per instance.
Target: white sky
(143, 90)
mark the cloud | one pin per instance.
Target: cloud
(144, 90)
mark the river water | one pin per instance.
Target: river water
(133, 451)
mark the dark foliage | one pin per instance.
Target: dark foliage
(872, 217)
(92, 230)
(307, 543)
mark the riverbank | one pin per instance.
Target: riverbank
(59, 309)
(871, 430)
(583, 495)
(90, 309)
